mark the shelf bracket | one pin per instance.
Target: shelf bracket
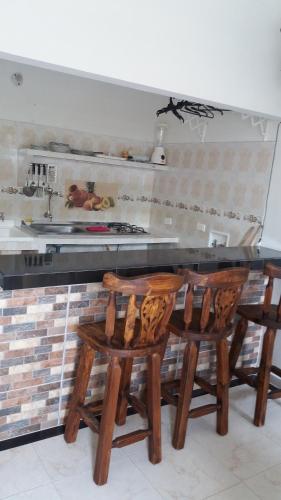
(257, 121)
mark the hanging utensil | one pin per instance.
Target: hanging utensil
(28, 190)
(39, 189)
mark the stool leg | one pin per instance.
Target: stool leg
(164, 347)
(185, 392)
(85, 364)
(237, 343)
(264, 377)
(126, 364)
(154, 407)
(107, 421)
(162, 355)
(222, 387)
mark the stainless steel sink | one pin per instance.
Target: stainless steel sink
(55, 228)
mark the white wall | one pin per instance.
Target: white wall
(272, 233)
(215, 50)
(272, 227)
(61, 100)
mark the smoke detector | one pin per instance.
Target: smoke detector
(17, 79)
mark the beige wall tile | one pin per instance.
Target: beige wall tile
(221, 178)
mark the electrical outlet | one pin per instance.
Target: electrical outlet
(168, 221)
(201, 227)
(218, 239)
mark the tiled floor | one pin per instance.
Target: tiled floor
(244, 465)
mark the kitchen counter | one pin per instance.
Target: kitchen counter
(30, 271)
(45, 297)
(13, 237)
(103, 239)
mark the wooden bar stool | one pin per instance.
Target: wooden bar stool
(143, 332)
(269, 316)
(210, 322)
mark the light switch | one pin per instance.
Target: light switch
(201, 227)
(218, 239)
(168, 221)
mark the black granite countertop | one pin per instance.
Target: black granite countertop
(40, 270)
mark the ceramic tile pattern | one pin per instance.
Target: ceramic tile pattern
(243, 465)
(222, 185)
(39, 347)
(13, 167)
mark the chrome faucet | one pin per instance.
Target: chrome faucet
(50, 192)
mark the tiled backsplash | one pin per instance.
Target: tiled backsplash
(136, 182)
(220, 185)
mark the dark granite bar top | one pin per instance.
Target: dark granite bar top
(42, 270)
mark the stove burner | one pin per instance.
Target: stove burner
(124, 227)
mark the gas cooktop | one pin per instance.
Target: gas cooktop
(124, 227)
(83, 228)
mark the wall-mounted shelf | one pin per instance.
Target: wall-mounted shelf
(36, 153)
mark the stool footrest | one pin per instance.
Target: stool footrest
(171, 384)
(276, 370)
(167, 396)
(202, 410)
(138, 405)
(94, 406)
(130, 438)
(211, 389)
(274, 393)
(250, 370)
(89, 418)
(244, 374)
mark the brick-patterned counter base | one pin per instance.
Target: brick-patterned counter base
(38, 351)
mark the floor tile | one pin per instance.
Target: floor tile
(209, 467)
(63, 460)
(272, 428)
(243, 397)
(239, 492)
(245, 450)
(267, 485)
(191, 473)
(47, 492)
(125, 482)
(20, 470)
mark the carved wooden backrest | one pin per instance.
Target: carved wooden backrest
(273, 272)
(221, 293)
(145, 323)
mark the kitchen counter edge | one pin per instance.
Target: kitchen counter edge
(46, 270)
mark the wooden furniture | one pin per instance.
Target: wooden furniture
(269, 316)
(212, 321)
(143, 332)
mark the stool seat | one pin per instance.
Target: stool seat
(94, 335)
(194, 331)
(255, 313)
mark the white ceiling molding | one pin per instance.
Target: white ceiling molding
(257, 121)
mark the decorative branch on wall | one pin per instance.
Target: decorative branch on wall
(193, 108)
